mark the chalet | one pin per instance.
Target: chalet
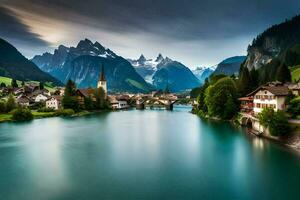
(84, 93)
(23, 100)
(119, 102)
(39, 97)
(54, 102)
(267, 96)
(30, 88)
(246, 104)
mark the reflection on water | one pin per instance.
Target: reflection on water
(151, 154)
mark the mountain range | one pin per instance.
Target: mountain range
(164, 72)
(203, 72)
(82, 64)
(14, 65)
(230, 65)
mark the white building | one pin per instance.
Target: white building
(117, 103)
(40, 98)
(102, 82)
(269, 97)
(54, 102)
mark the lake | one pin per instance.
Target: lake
(150, 154)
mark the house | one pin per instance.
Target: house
(269, 96)
(23, 100)
(246, 104)
(294, 88)
(39, 97)
(118, 103)
(84, 93)
(30, 88)
(54, 102)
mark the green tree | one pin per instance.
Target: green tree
(14, 83)
(88, 103)
(10, 103)
(70, 89)
(100, 98)
(223, 92)
(254, 77)
(230, 108)
(201, 97)
(277, 122)
(70, 100)
(22, 114)
(2, 107)
(2, 85)
(244, 81)
(23, 83)
(283, 73)
(41, 85)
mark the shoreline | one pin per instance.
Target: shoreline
(6, 117)
(291, 141)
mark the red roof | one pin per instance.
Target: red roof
(246, 98)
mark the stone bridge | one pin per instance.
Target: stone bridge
(252, 123)
(155, 102)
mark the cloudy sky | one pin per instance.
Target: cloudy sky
(195, 32)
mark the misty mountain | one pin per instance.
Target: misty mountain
(14, 65)
(203, 72)
(164, 72)
(83, 63)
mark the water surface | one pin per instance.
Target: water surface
(151, 154)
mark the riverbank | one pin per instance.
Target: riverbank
(7, 117)
(291, 140)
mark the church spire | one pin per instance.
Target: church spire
(102, 75)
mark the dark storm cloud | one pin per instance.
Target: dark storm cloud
(192, 31)
(193, 19)
(13, 29)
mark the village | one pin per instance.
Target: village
(35, 97)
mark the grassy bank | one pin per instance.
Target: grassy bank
(38, 115)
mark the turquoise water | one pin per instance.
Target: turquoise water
(151, 154)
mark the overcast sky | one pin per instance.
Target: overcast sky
(194, 32)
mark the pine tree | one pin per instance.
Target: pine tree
(41, 85)
(14, 83)
(245, 81)
(283, 74)
(254, 76)
(70, 89)
(2, 85)
(70, 100)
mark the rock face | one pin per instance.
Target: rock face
(165, 73)
(230, 65)
(203, 72)
(273, 43)
(82, 64)
(14, 65)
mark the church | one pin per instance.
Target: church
(89, 92)
(102, 82)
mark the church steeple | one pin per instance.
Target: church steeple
(102, 82)
(102, 75)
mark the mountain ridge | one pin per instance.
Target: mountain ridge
(82, 64)
(14, 65)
